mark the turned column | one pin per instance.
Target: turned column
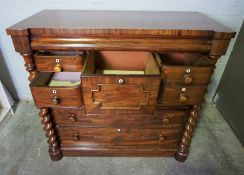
(22, 45)
(54, 149)
(183, 149)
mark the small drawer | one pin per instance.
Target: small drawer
(175, 96)
(60, 62)
(119, 137)
(56, 89)
(77, 116)
(120, 82)
(185, 68)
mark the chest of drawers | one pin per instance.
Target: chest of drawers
(116, 83)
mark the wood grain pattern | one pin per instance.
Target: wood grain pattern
(96, 137)
(123, 115)
(44, 95)
(121, 44)
(171, 95)
(119, 23)
(119, 100)
(69, 63)
(174, 75)
(77, 117)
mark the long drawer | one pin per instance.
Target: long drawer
(165, 138)
(77, 117)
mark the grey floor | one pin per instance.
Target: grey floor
(23, 150)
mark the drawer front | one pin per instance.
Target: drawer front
(56, 97)
(120, 94)
(59, 63)
(77, 116)
(175, 96)
(118, 136)
(191, 75)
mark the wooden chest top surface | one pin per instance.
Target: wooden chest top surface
(129, 23)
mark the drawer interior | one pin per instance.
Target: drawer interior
(183, 59)
(62, 79)
(122, 63)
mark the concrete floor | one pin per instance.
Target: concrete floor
(23, 150)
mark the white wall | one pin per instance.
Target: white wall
(227, 12)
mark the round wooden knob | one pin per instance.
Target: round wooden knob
(72, 118)
(58, 68)
(121, 81)
(76, 137)
(162, 138)
(187, 79)
(183, 98)
(56, 100)
(166, 120)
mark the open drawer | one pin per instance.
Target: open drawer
(71, 61)
(185, 68)
(56, 89)
(120, 82)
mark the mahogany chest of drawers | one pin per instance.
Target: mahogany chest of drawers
(119, 83)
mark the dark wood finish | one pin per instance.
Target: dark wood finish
(77, 117)
(120, 23)
(45, 96)
(54, 149)
(175, 95)
(118, 152)
(183, 150)
(69, 63)
(96, 137)
(108, 94)
(123, 115)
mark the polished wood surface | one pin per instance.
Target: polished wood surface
(150, 114)
(45, 96)
(182, 95)
(119, 23)
(161, 119)
(96, 137)
(59, 63)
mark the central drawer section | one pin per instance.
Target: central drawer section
(120, 83)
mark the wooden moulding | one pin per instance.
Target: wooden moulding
(133, 44)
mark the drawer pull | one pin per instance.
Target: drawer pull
(76, 137)
(58, 68)
(121, 81)
(56, 100)
(166, 120)
(187, 79)
(183, 98)
(72, 118)
(162, 138)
